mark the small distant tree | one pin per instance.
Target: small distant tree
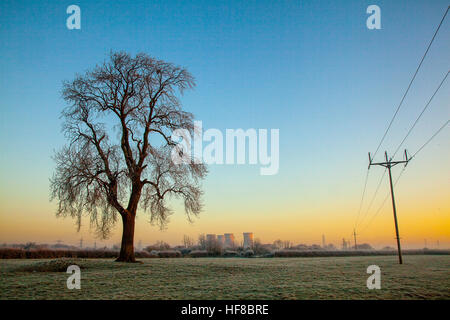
(287, 244)
(158, 246)
(282, 244)
(161, 245)
(259, 248)
(30, 245)
(202, 241)
(188, 242)
(364, 246)
(119, 120)
(256, 244)
(213, 247)
(301, 246)
(278, 244)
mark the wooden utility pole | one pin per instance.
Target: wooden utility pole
(354, 237)
(388, 165)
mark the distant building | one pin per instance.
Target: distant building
(229, 240)
(210, 238)
(248, 240)
(220, 240)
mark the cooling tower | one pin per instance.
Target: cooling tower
(220, 240)
(248, 240)
(229, 240)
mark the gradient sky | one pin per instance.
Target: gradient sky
(309, 68)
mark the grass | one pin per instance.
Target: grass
(421, 277)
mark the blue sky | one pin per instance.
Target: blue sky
(310, 68)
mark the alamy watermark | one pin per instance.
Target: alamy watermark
(74, 280)
(374, 20)
(74, 20)
(374, 281)
(234, 149)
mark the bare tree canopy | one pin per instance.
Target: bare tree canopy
(118, 120)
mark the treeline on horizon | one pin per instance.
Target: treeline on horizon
(163, 250)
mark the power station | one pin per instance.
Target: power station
(248, 240)
(227, 240)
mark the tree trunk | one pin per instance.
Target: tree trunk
(127, 248)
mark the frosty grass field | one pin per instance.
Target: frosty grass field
(421, 277)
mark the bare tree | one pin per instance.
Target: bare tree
(213, 246)
(188, 242)
(161, 245)
(287, 244)
(278, 244)
(258, 247)
(202, 241)
(119, 120)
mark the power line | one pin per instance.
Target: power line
(400, 175)
(374, 195)
(432, 137)
(383, 203)
(423, 111)
(362, 198)
(404, 139)
(410, 83)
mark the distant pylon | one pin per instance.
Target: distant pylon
(344, 244)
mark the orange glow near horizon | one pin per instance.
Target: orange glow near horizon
(424, 218)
